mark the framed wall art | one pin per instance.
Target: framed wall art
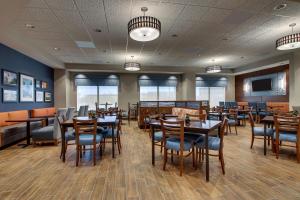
(26, 88)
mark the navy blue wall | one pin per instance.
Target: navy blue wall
(15, 61)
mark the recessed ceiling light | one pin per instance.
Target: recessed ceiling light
(29, 26)
(280, 6)
(98, 30)
(56, 48)
(242, 57)
(174, 35)
(107, 62)
(225, 39)
(85, 44)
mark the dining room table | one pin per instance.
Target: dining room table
(108, 120)
(28, 127)
(200, 127)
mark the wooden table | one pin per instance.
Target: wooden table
(105, 121)
(268, 120)
(28, 128)
(197, 127)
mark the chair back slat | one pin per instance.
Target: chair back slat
(201, 117)
(287, 123)
(251, 119)
(88, 127)
(172, 128)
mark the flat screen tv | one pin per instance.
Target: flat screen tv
(262, 85)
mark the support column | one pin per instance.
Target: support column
(188, 85)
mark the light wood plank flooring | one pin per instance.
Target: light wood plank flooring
(38, 173)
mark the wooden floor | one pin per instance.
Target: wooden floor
(38, 173)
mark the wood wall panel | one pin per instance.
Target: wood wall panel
(239, 81)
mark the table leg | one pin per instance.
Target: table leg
(28, 133)
(152, 145)
(207, 157)
(63, 143)
(113, 140)
(265, 142)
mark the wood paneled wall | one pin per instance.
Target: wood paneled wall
(239, 82)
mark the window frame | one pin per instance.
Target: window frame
(157, 92)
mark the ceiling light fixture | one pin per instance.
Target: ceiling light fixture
(280, 6)
(29, 26)
(144, 28)
(132, 66)
(56, 48)
(97, 30)
(289, 42)
(213, 69)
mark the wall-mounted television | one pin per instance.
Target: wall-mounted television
(262, 85)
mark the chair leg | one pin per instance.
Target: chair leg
(94, 154)
(165, 158)
(77, 154)
(298, 152)
(161, 146)
(80, 150)
(277, 148)
(269, 140)
(193, 154)
(172, 156)
(252, 141)
(235, 129)
(222, 161)
(229, 128)
(196, 158)
(119, 145)
(181, 162)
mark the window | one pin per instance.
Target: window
(148, 93)
(86, 95)
(157, 93)
(89, 95)
(108, 94)
(213, 94)
(167, 93)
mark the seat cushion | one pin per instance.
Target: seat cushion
(88, 139)
(242, 116)
(108, 133)
(158, 136)
(192, 137)
(213, 143)
(101, 130)
(263, 113)
(287, 136)
(45, 133)
(174, 144)
(70, 135)
(259, 131)
(232, 122)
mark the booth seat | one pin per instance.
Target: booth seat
(11, 132)
(44, 112)
(181, 112)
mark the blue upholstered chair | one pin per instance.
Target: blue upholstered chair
(214, 144)
(70, 113)
(232, 120)
(107, 135)
(258, 132)
(262, 110)
(50, 133)
(173, 139)
(287, 130)
(86, 135)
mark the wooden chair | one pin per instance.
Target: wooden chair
(215, 144)
(258, 132)
(86, 134)
(287, 130)
(232, 120)
(117, 136)
(173, 139)
(192, 136)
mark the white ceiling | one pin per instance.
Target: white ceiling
(223, 30)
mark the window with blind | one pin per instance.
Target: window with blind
(97, 88)
(211, 89)
(157, 87)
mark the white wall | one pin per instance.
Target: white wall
(295, 80)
